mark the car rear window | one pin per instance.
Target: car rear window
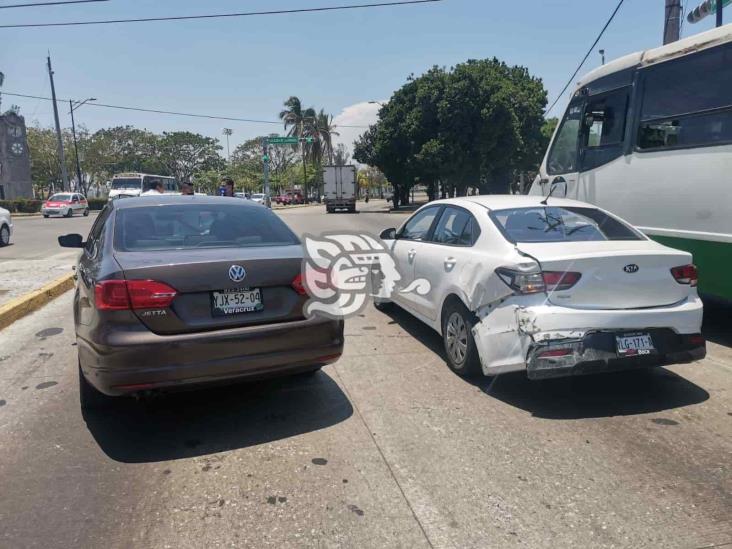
(175, 227)
(567, 224)
(60, 198)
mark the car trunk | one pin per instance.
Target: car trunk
(614, 274)
(196, 274)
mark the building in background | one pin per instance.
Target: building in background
(15, 171)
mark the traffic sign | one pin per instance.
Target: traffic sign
(283, 140)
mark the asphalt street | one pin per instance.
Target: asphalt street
(386, 448)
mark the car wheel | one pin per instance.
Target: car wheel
(4, 236)
(457, 335)
(86, 212)
(45, 216)
(89, 397)
(382, 305)
(69, 213)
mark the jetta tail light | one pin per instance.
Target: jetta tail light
(686, 274)
(119, 295)
(298, 285)
(538, 282)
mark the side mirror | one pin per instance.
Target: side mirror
(388, 234)
(71, 241)
(558, 187)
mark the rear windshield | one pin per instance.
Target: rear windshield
(60, 198)
(567, 224)
(177, 227)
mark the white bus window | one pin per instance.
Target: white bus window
(687, 103)
(563, 156)
(605, 119)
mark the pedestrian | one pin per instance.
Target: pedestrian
(157, 188)
(227, 187)
(186, 189)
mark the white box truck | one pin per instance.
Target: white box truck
(339, 188)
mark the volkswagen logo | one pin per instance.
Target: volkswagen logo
(632, 268)
(237, 273)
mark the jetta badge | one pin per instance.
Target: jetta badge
(632, 268)
(237, 273)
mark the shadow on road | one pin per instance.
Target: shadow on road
(602, 395)
(205, 422)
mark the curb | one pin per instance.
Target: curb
(30, 302)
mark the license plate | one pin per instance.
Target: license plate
(634, 344)
(234, 302)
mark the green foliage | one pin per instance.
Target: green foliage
(470, 126)
(22, 205)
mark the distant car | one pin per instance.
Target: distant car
(284, 199)
(179, 291)
(261, 198)
(550, 287)
(65, 204)
(6, 227)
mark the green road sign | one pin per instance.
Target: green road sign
(287, 140)
(283, 140)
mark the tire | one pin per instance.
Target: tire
(89, 397)
(383, 306)
(86, 212)
(69, 213)
(45, 216)
(4, 236)
(460, 349)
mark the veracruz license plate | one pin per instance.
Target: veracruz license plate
(234, 302)
(634, 344)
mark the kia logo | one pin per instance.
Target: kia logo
(237, 273)
(632, 268)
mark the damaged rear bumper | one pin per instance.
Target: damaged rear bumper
(512, 334)
(597, 352)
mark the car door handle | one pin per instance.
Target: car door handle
(411, 255)
(450, 262)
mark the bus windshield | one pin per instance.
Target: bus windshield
(127, 183)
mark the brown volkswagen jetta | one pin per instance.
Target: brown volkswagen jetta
(176, 291)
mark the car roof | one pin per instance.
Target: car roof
(177, 200)
(506, 201)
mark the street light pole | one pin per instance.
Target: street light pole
(72, 107)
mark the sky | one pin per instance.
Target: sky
(339, 61)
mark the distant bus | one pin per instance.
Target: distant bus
(649, 137)
(134, 184)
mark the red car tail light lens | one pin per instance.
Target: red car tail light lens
(111, 295)
(298, 285)
(686, 274)
(117, 295)
(558, 280)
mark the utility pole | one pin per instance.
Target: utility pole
(60, 144)
(672, 21)
(265, 160)
(72, 107)
(304, 164)
(720, 7)
(227, 133)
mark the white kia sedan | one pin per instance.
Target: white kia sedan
(554, 287)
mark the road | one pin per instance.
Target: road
(386, 448)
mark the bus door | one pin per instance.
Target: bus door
(562, 164)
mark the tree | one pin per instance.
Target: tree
(341, 156)
(323, 131)
(184, 154)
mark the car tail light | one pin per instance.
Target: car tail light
(117, 295)
(558, 280)
(697, 339)
(298, 285)
(538, 282)
(553, 353)
(686, 274)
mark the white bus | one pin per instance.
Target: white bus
(134, 184)
(649, 136)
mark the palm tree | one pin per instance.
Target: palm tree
(324, 131)
(298, 123)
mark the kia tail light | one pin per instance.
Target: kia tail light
(686, 274)
(538, 282)
(119, 295)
